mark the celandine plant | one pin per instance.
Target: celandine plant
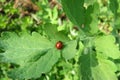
(90, 52)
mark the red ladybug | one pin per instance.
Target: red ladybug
(59, 45)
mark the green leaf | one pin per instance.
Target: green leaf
(93, 67)
(35, 69)
(70, 49)
(106, 45)
(117, 62)
(104, 71)
(87, 60)
(117, 22)
(20, 49)
(74, 10)
(114, 6)
(85, 18)
(89, 2)
(33, 53)
(91, 16)
(54, 34)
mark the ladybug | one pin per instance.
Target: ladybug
(59, 45)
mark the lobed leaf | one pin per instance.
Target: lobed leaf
(33, 53)
(20, 49)
(54, 34)
(94, 67)
(106, 45)
(70, 49)
(37, 68)
(91, 17)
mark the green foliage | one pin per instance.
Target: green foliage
(30, 47)
(91, 41)
(114, 6)
(84, 17)
(106, 45)
(36, 67)
(75, 11)
(91, 66)
(69, 49)
(36, 53)
(96, 67)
